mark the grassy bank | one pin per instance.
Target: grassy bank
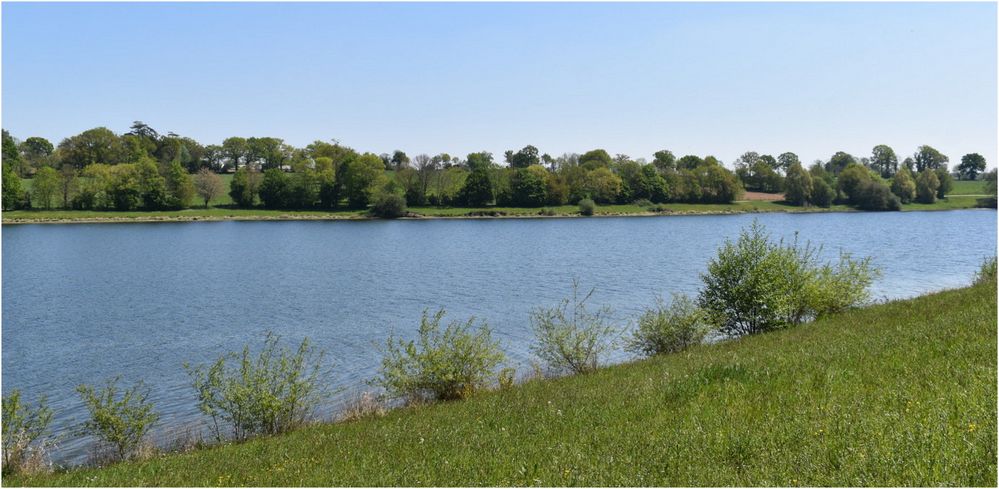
(222, 213)
(896, 394)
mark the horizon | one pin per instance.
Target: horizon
(462, 78)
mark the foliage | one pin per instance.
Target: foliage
(986, 273)
(928, 158)
(946, 182)
(13, 193)
(271, 392)
(528, 186)
(244, 187)
(45, 187)
(569, 337)
(179, 186)
(669, 329)
(971, 165)
(822, 193)
(440, 364)
(756, 285)
(927, 184)
(904, 186)
(274, 189)
(389, 205)
(587, 206)
(478, 188)
(24, 428)
(884, 161)
(363, 178)
(872, 195)
(990, 190)
(119, 418)
(797, 185)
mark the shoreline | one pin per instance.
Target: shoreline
(112, 219)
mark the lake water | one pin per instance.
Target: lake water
(85, 302)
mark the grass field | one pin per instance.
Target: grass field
(968, 187)
(902, 393)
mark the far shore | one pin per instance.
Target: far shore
(222, 214)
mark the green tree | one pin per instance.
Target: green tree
(786, 160)
(928, 157)
(364, 176)
(822, 193)
(602, 185)
(235, 150)
(884, 161)
(36, 152)
(180, 186)
(850, 179)
(399, 160)
(482, 160)
(594, 159)
(904, 186)
(689, 162)
(244, 187)
(152, 185)
(98, 145)
(478, 188)
(13, 193)
(528, 156)
(664, 160)
(839, 162)
(946, 182)
(927, 185)
(67, 183)
(45, 187)
(971, 165)
(798, 185)
(11, 152)
(274, 189)
(528, 186)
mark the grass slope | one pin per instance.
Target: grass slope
(896, 394)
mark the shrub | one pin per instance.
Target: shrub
(119, 419)
(903, 186)
(364, 405)
(642, 203)
(23, 430)
(570, 338)
(927, 184)
(272, 392)
(756, 285)
(822, 193)
(442, 365)
(669, 329)
(875, 196)
(587, 206)
(987, 273)
(389, 206)
(547, 211)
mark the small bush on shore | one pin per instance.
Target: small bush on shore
(569, 337)
(389, 206)
(669, 329)
(272, 392)
(119, 419)
(24, 429)
(756, 285)
(445, 364)
(987, 273)
(587, 207)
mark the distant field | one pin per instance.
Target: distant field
(968, 187)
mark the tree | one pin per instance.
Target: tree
(98, 145)
(928, 157)
(689, 162)
(664, 160)
(399, 160)
(362, 178)
(528, 156)
(274, 189)
(822, 193)
(13, 193)
(904, 186)
(45, 186)
(797, 185)
(884, 161)
(603, 185)
(235, 150)
(208, 185)
(142, 130)
(67, 183)
(152, 185)
(971, 165)
(850, 179)
(482, 160)
(180, 186)
(36, 152)
(927, 184)
(786, 160)
(478, 188)
(946, 182)
(11, 153)
(244, 186)
(595, 159)
(528, 186)
(839, 162)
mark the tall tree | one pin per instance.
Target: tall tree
(399, 159)
(664, 160)
(208, 185)
(929, 157)
(786, 160)
(594, 159)
(971, 165)
(98, 145)
(839, 162)
(235, 150)
(524, 158)
(798, 185)
(884, 161)
(45, 187)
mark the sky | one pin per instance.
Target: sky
(705, 78)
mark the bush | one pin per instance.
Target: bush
(642, 203)
(271, 393)
(669, 329)
(587, 206)
(756, 285)
(875, 196)
(927, 184)
(570, 338)
(987, 273)
(118, 420)
(822, 194)
(389, 206)
(23, 430)
(547, 211)
(442, 365)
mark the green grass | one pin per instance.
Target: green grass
(902, 393)
(968, 187)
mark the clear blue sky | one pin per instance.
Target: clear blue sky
(715, 78)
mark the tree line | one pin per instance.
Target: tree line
(146, 170)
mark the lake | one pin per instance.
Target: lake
(85, 302)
